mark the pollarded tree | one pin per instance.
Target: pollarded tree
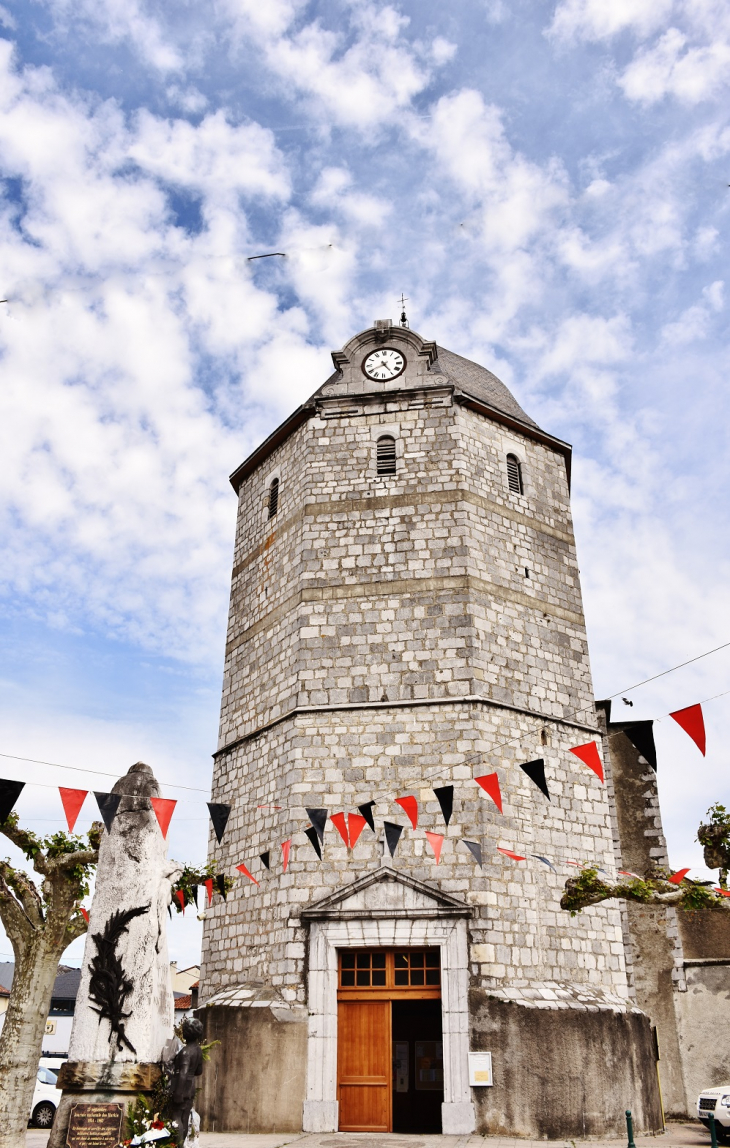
(715, 837)
(40, 922)
(656, 888)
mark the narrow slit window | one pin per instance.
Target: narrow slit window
(514, 474)
(385, 453)
(273, 497)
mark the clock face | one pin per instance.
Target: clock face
(384, 364)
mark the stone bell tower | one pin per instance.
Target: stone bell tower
(406, 613)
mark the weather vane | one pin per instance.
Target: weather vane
(403, 319)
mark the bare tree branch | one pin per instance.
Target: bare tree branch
(71, 860)
(26, 841)
(13, 915)
(588, 889)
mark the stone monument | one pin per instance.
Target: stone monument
(124, 1010)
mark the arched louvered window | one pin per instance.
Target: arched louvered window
(514, 474)
(273, 497)
(385, 453)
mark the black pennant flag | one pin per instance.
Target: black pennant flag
(641, 736)
(108, 805)
(265, 858)
(10, 791)
(535, 770)
(392, 835)
(313, 836)
(220, 884)
(475, 849)
(194, 896)
(318, 817)
(445, 798)
(219, 814)
(366, 811)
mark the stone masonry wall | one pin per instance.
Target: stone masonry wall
(446, 541)
(393, 621)
(339, 760)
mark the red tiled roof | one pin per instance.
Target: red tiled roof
(182, 1003)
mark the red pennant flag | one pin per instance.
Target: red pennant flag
(677, 877)
(242, 869)
(84, 913)
(509, 853)
(285, 849)
(355, 826)
(722, 892)
(410, 806)
(181, 898)
(72, 800)
(209, 887)
(338, 820)
(693, 723)
(436, 841)
(163, 807)
(590, 756)
(490, 784)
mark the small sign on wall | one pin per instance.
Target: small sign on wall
(480, 1069)
(50, 1028)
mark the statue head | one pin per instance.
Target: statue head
(192, 1030)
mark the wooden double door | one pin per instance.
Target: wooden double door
(390, 1066)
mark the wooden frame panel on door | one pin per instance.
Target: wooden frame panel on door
(364, 1061)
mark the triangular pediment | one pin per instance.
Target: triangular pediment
(387, 893)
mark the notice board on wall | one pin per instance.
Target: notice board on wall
(480, 1069)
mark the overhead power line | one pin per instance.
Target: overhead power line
(428, 773)
(669, 671)
(98, 772)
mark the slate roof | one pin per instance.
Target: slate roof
(468, 378)
(478, 382)
(65, 987)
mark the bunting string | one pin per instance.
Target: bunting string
(350, 825)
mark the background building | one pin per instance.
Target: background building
(63, 1004)
(406, 613)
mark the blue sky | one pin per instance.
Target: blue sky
(548, 184)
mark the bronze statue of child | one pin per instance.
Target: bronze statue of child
(186, 1066)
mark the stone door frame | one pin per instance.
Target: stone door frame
(333, 926)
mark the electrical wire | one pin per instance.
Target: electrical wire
(689, 662)
(97, 772)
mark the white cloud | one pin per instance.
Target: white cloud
(673, 67)
(515, 198)
(359, 85)
(213, 157)
(694, 322)
(126, 387)
(122, 21)
(689, 59)
(599, 20)
(334, 191)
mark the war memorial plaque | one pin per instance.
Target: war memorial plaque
(95, 1126)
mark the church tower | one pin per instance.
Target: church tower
(406, 616)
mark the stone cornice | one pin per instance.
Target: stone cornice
(406, 703)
